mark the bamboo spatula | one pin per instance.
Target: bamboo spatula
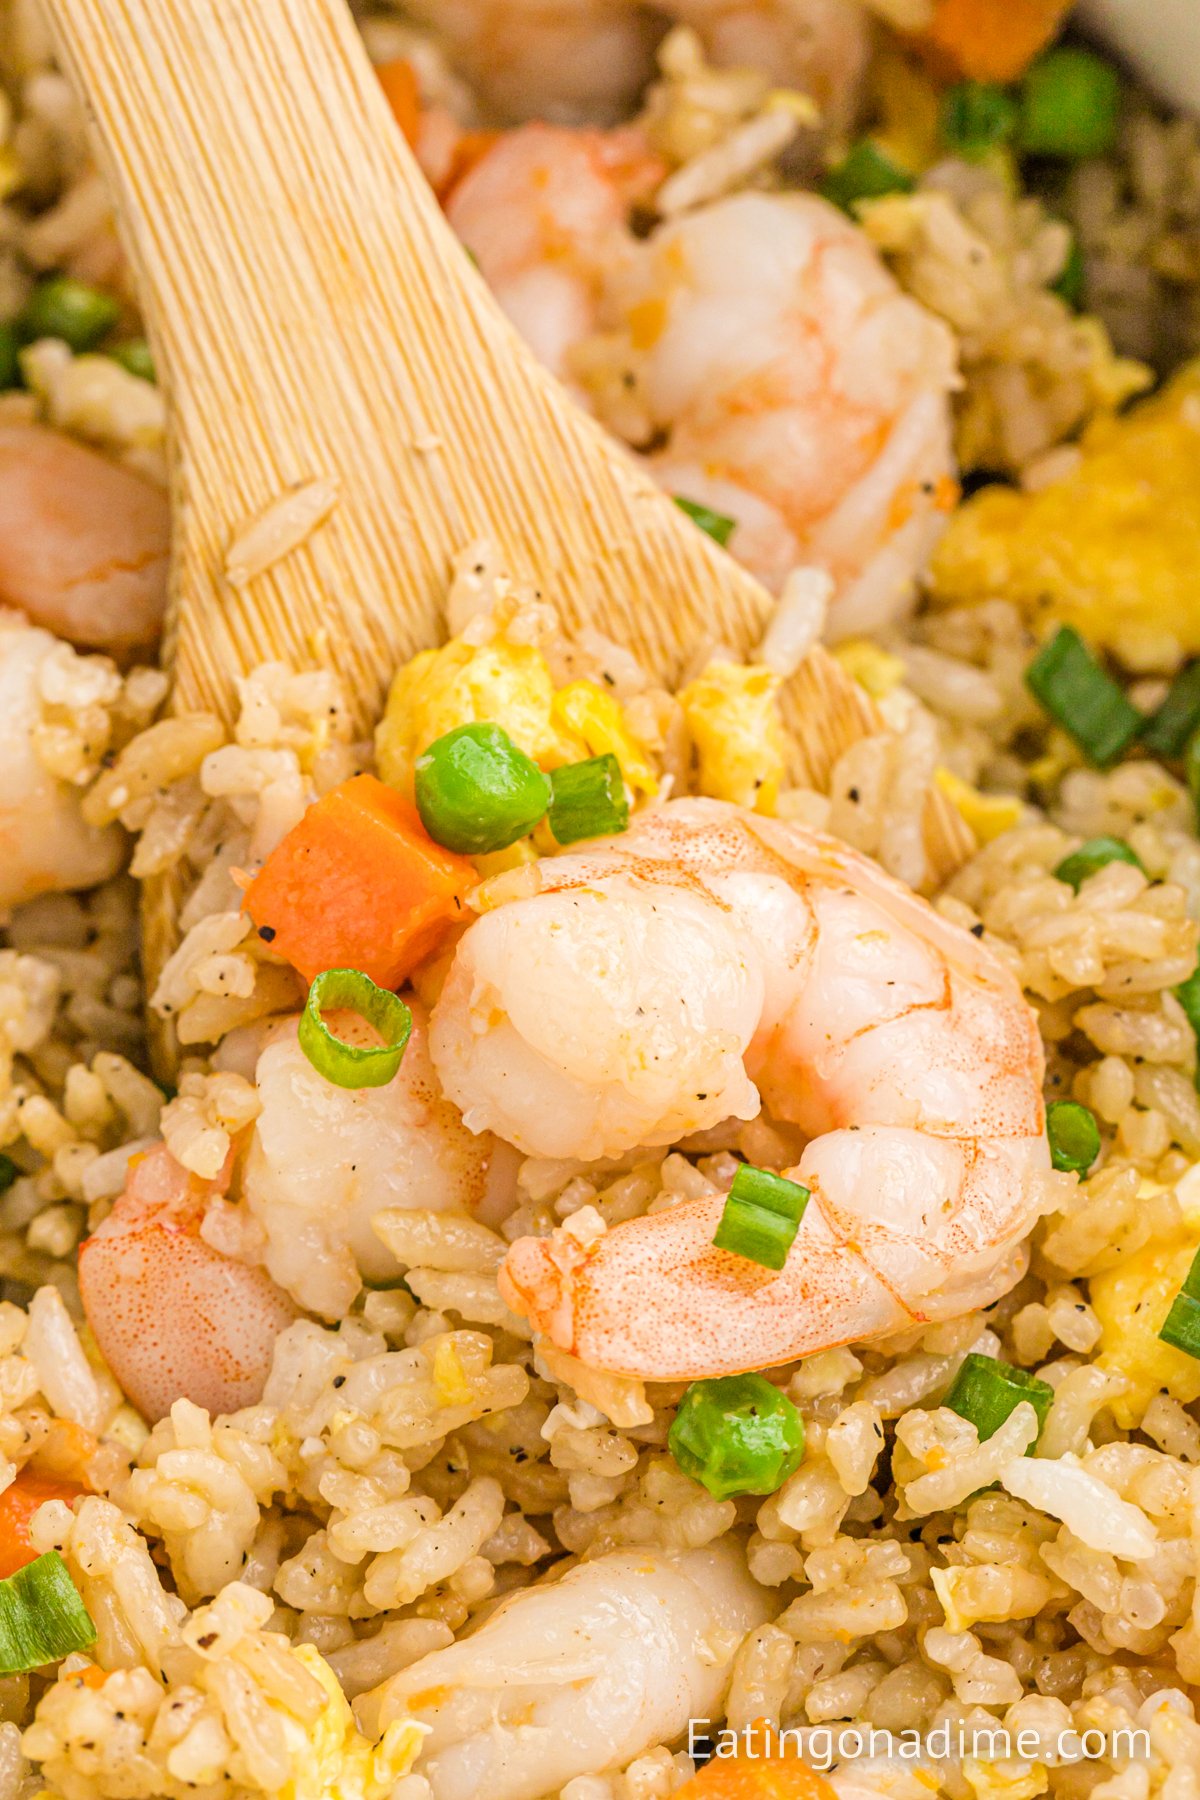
(320, 330)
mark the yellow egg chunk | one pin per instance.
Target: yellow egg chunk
(586, 712)
(1112, 548)
(988, 815)
(1131, 1302)
(330, 1758)
(731, 713)
(465, 684)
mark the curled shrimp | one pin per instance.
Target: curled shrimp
(173, 1316)
(83, 542)
(45, 844)
(579, 1675)
(323, 1160)
(708, 964)
(756, 348)
(586, 61)
(546, 258)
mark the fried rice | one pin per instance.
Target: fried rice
(415, 1455)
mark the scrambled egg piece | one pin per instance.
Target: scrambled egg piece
(1113, 547)
(734, 722)
(1131, 1302)
(877, 671)
(988, 815)
(510, 685)
(331, 1760)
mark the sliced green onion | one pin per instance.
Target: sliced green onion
(1191, 770)
(8, 1172)
(719, 526)
(1074, 1136)
(1071, 285)
(867, 173)
(10, 357)
(134, 355)
(1166, 732)
(1068, 681)
(1181, 1327)
(42, 1617)
(976, 116)
(354, 1065)
(1070, 105)
(588, 800)
(737, 1434)
(71, 310)
(1188, 996)
(762, 1216)
(1095, 854)
(476, 792)
(985, 1392)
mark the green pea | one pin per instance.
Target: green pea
(1070, 105)
(477, 792)
(1074, 1136)
(737, 1434)
(71, 310)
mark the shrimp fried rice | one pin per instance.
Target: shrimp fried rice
(589, 1254)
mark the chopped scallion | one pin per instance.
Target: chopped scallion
(1071, 284)
(42, 1617)
(587, 800)
(762, 1216)
(8, 1172)
(67, 309)
(867, 173)
(1166, 732)
(10, 357)
(354, 1065)
(1083, 698)
(1191, 770)
(737, 1434)
(719, 526)
(477, 792)
(1181, 1327)
(976, 116)
(1096, 854)
(1188, 996)
(985, 1392)
(1074, 1136)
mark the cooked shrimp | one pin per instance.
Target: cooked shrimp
(545, 215)
(708, 964)
(758, 343)
(580, 1675)
(45, 846)
(799, 391)
(585, 61)
(171, 1315)
(324, 1160)
(83, 543)
(577, 60)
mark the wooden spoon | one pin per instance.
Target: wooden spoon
(322, 335)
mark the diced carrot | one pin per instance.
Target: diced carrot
(18, 1503)
(755, 1778)
(359, 884)
(65, 1452)
(991, 40)
(398, 80)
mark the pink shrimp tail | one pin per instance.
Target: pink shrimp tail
(536, 1279)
